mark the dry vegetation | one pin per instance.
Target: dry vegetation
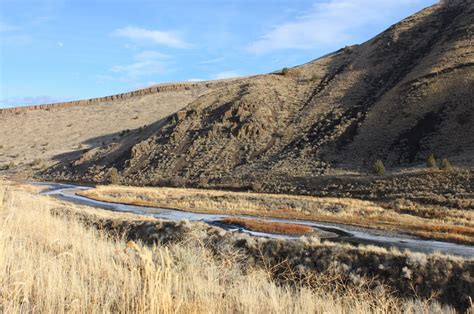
(268, 226)
(54, 263)
(30, 135)
(453, 225)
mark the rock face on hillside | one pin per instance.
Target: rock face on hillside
(399, 97)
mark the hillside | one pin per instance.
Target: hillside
(398, 97)
(47, 134)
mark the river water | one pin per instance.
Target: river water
(335, 232)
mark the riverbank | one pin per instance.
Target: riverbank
(453, 225)
(186, 267)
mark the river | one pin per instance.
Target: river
(334, 232)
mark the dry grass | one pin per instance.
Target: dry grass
(51, 264)
(269, 226)
(80, 127)
(453, 225)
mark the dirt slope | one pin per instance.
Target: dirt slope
(399, 97)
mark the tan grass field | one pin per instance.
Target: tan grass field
(451, 225)
(50, 264)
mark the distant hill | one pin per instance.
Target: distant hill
(399, 97)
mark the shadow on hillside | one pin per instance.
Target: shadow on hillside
(120, 141)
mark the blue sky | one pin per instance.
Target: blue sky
(54, 50)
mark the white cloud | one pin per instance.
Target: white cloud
(142, 35)
(225, 74)
(196, 80)
(334, 22)
(60, 44)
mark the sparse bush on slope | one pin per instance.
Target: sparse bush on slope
(431, 161)
(378, 168)
(114, 177)
(446, 165)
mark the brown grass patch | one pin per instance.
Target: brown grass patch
(268, 226)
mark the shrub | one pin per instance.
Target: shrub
(431, 161)
(177, 182)
(285, 71)
(378, 167)
(446, 165)
(124, 132)
(114, 177)
(257, 186)
(38, 163)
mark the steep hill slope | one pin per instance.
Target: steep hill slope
(400, 96)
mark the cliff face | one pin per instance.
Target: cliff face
(398, 97)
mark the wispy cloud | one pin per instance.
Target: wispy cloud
(4, 27)
(212, 61)
(137, 69)
(144, 85)
(142, 35)
(17, 40)
(148, 55)
(196, 79)
(11, 35)
(225, 74)
(333, 22)
(29, 101)
(144, 63)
